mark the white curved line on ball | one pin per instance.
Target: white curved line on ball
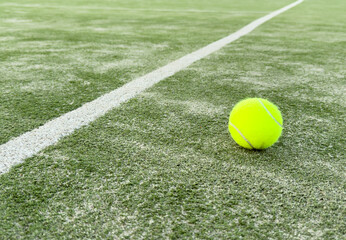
(242, 135)
(269, 113)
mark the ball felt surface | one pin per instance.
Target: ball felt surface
(255, 123)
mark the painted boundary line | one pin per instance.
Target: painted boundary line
(17, 150)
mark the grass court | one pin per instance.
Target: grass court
(163, 165)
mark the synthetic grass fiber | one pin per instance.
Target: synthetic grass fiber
(57, 56)
(163, 165)
(32, 142)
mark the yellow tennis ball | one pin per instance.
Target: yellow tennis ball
(255, 123)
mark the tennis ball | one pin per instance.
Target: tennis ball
(255, 123)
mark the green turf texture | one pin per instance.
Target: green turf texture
(163, 165)
(60, 54)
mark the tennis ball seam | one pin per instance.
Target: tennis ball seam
(242, 135)
(269, 113)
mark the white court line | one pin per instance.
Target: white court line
(17, 150)
(126, 9)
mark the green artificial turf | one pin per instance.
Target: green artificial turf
(163, 165)
(57, 55)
